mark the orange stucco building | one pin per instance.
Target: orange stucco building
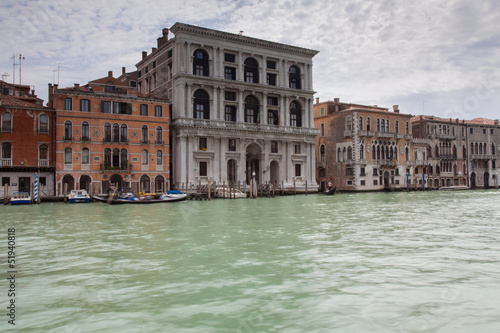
(107, 134)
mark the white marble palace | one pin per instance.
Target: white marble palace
(241, 106)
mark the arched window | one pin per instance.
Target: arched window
(200, 63)
(44, 124)
(480, 148)
(107, 132)
(382, 125)
(295, 114)
(85, 131)
(6, 122)
(43, 153)
(251, 70)
(145, 138)
(107, 158)
(322, 129)
(123, 159)
(68, 155)
(251, 109)
(116, 133)
(294, 78)
(85, 156)
(159, 157)
(68, 130)
(159, 135)
(387, 127)
(374, 152)
(349, 153)
(201, 107)
(360, 125)
(396, 127)
(116, 158)
(407, 154)
(348, 124)
(322, 153)
(493, 149)
(485, 149)
(361, 152)
(344, 154)
(378, 125)
(368, 124)
(123, 133)
(144, 157)
(339, 155)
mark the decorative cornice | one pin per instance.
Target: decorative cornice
(182, 27)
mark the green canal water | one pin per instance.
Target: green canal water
(365, 262)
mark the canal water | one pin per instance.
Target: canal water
(364, 262)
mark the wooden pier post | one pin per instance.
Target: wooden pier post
(6, 194)
(306, 187)
(209, 188)
(65, 190)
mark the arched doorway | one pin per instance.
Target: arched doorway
(253, 154)
(231, 171)
(473, 179)
(448, 182)
(116, 181)
(275, 172)
(68, 183)
(85, 182)
(386, 179)
(145, 184)
(486, 180)
(436, 183)
(160, 184)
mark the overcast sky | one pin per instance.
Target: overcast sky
(433, 57)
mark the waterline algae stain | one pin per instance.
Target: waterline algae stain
(377, 262)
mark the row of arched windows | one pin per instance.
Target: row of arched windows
(478, 148)
(201, 67)
(112, 133)
(113, 158)
(7, 123)
(252, 110)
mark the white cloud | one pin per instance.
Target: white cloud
(374, 52)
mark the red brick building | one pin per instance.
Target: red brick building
(26, 136)
(109, 134)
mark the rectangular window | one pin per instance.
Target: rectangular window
(297, 149)
(363, 183)
(272, 117)
(491, 131)
(471, 130)
(375, 172)
(85, 105)
(106, 106)
(228, 57)
(199, 70)
(203, 169)
(154, 64)
(144, 109)
(271, 79)
(322, 172)
(5, 181)
(230, 73)
(202, 143)
(322, 111)
(298, 170)
(272, 101)
(230, 96)
(43, 181)
(363, 172)
(158, 111)
(169, 54)
(349, 172)
(68, 104)
(271, 64)
(122, 108)
(274, 147)
(375, 182)
(230, 113)
(232, 145)
(249, 78)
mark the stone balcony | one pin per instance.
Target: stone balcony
(387, 135)
(247, 127)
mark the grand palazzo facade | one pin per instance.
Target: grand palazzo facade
(241, 108)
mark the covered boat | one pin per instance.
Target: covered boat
(78, 196)
(20, 198)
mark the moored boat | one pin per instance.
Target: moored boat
(127, 197)
(78, 196)
(20, 198)
(453, 188)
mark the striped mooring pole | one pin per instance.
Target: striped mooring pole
(36, 187)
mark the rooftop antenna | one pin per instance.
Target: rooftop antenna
(4, 76)
(20, 57)
(58, 70)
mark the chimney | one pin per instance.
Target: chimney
(110, 73)
(395, 108)
(153, 49)
(144, 54)
(497, 122)
(165, 33)
(336, 100)
(77, 86)
(123, 70)
(317, 100)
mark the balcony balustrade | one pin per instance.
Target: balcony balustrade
(6, 161)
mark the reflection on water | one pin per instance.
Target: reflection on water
(348, 263)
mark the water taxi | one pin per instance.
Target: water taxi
(20, 198)
(78, 196)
